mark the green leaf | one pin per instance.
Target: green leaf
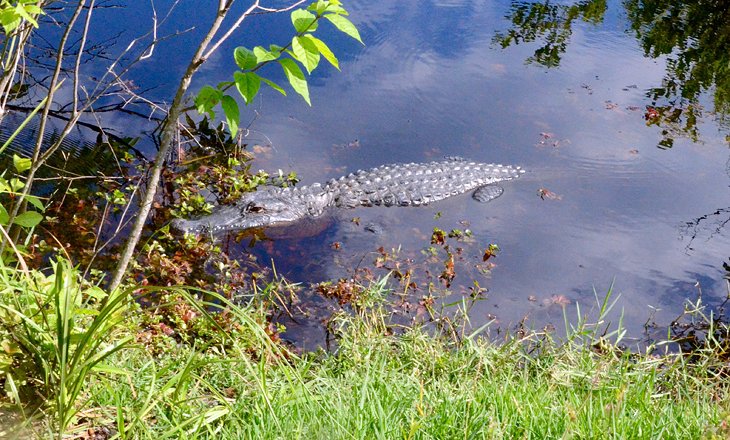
(245, 59)
(230, 108)
(35, 201)
(28, 219)
(4, 217)
(324, 50)
(16, 184)
(96, 292)
(207, 98)
(319, 6)
(33, 9)
(10, 20)
(274, 86)
(306, 52)
(303, 21)
(248, 85)
(21, 10)
(296, 78)
(344, 25)
(336, 7)
(263, 55)
(21, 163)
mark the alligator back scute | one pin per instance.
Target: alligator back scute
(417, 184)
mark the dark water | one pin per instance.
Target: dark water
(432, 81)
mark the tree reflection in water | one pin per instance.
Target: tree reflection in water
(549, 23)
(694, 36)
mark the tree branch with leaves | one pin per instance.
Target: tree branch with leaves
(304, 49)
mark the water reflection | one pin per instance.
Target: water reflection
(86, 153)
(549, 23)
(693, 36)
(580, 129)
(431, 82)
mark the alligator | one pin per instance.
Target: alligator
(412, 184)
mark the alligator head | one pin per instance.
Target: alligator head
(257, 209)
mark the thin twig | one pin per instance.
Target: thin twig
(243, 16)
(77, 67)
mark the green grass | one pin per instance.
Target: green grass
(418, 386)
(411, 385)
(415, 386)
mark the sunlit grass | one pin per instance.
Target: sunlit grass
(386, 382)
(417, 385)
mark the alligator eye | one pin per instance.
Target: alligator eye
(252, 207)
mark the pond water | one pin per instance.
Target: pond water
(581, 107)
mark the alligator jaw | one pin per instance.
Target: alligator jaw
(237, 217)
(223, 217)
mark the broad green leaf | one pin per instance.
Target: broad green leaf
(35, 201)
(33, 9)
(324, 50)
(96, 292)
(337, 9)
(21, 163)
(245, 59)
(319, 6)
(10, 20)
(16, 184)
(274, 86)
(207, 98)
(306, 52)
(248, 85)
(263, 55)
(20, 9)
(303, 21)
(230, 108)
(28, 219)
(296, 78)
(4, 217)
(344, 25)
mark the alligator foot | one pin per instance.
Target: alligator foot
(487, 193)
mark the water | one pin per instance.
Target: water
(430, 82)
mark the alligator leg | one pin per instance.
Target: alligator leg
(487, 193)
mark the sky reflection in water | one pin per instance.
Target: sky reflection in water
(432, 82)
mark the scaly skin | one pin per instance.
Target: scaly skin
(412, 184)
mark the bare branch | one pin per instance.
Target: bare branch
(78, 56)
(151, 49)
(276, 10)
(168, 132)
(251, 10)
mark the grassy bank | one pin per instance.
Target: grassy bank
(382, 382)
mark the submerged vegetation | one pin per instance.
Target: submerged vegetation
(159, 336)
